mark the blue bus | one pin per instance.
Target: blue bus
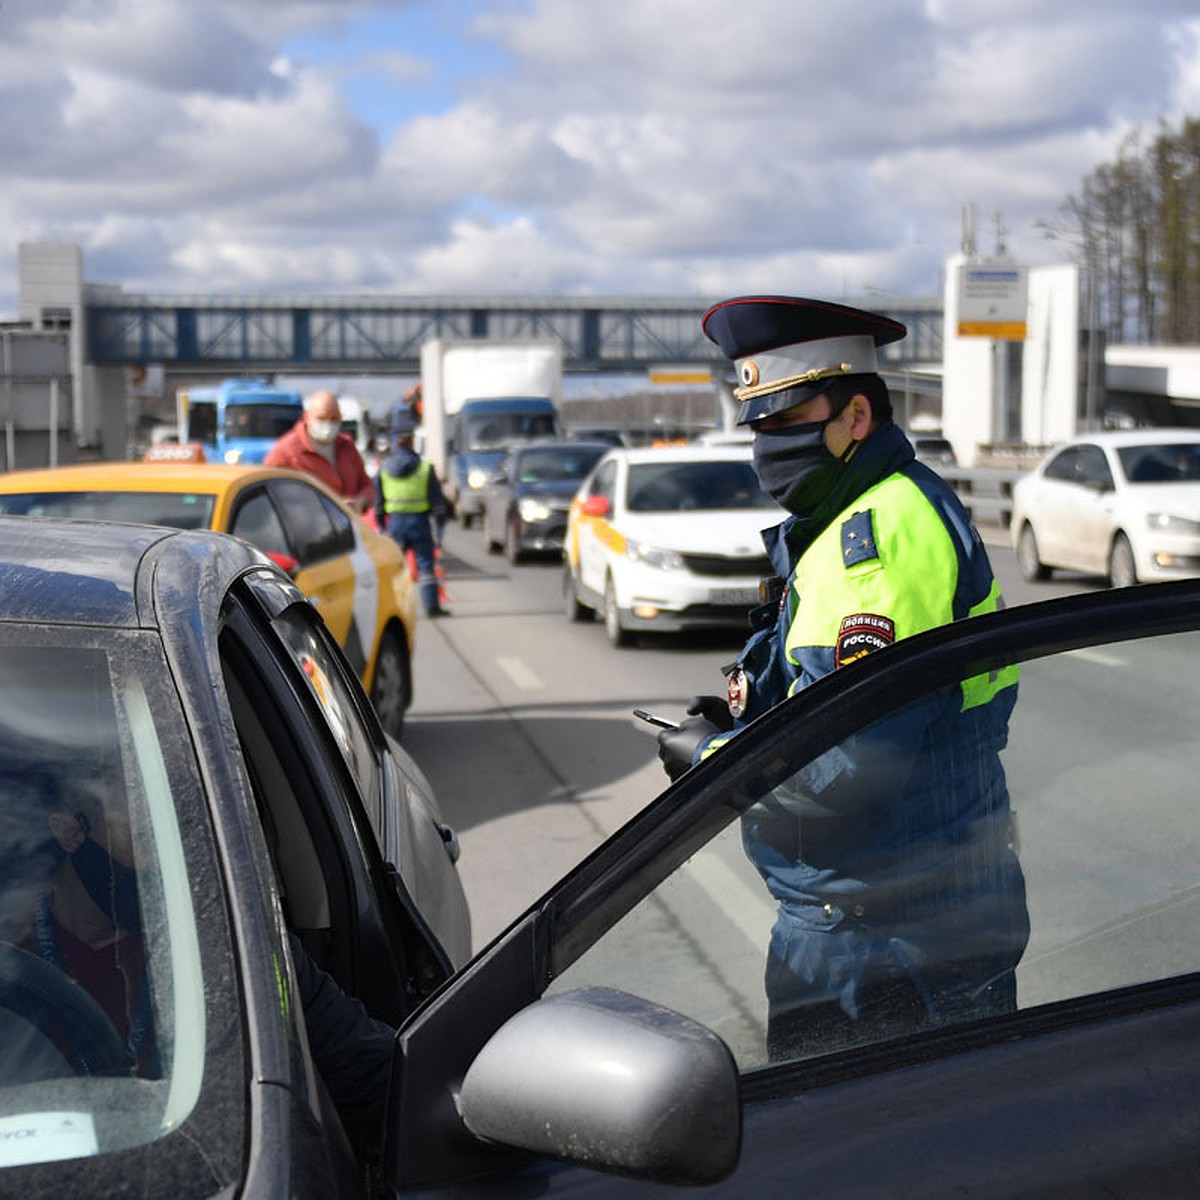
(238, 420)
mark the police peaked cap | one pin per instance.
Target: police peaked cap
(785, 348)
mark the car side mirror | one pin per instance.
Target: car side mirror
(596, 506)
(612, 1082)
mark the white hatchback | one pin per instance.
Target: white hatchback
(665, 540)
(1125, 505)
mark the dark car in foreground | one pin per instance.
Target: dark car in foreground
(614, 1034)
(172, 703)
(525, 503)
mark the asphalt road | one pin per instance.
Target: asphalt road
(522, 720)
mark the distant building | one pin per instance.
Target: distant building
(93, 409)
(36, 397)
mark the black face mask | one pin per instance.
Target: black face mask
(795, 466)
(111, 885)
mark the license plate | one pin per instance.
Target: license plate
(733, 596)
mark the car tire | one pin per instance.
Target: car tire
(576, 610)
(391, 685)
(512, 541)
(617, 634)
(1122, 570)
(1028, 559)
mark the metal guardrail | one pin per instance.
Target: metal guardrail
(986, 492)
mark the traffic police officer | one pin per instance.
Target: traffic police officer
(410, 502)
(901, 900)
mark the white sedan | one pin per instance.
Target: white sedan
(665, 540)
(1125, 505)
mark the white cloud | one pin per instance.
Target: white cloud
(665, 146)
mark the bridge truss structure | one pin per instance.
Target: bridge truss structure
(385, 333)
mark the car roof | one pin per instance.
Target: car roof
(98, 572)
(1132, 437)
(566, 445)
(211, 478)
(688, 453)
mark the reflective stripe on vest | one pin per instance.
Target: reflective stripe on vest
(406, 493)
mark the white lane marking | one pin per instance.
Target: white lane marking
(520, 674)
(1099, 657)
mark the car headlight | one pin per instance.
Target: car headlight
(1172, 523)
(233, 457)
(533, 510)
(477, 477)
(654, 556)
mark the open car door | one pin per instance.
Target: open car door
(619, 1027)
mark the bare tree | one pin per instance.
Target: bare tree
(1134, 228)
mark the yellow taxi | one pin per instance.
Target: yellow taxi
(357, 579)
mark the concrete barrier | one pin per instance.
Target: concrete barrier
(986, 492)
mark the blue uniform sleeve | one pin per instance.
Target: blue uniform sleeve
(352, 1051)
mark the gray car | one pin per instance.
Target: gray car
(525, 503)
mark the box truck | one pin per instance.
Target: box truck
(478, 398)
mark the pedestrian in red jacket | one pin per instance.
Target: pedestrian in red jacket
(316, 444)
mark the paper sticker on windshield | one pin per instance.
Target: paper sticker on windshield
(46, 1137)
(860, 634)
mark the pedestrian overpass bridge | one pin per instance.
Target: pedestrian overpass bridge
(317, 334)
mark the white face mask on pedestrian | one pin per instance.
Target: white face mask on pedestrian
(323, 431)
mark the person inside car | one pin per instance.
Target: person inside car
(72, 902)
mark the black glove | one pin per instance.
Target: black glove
(677, 747)
(714, 709)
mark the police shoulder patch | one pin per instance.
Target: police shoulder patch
(858, 539)
(860, 634)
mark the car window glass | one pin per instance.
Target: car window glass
(343, 527)
(179, 510)
(1063, 465)
(256, 521)
(1171, 462)
(687, 486)
(1093, 468)
(542, 466)
(306, 643)
(102, 1014)
(309, 522)
(259, 419)
(838, 876)
(604, 482)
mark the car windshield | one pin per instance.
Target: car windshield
(545, 466)
(1167, 462)
(685, 486)
(260, 420)
(179, 510)
(489, 431)
(102, 995)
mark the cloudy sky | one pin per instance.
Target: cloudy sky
(662, 147)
